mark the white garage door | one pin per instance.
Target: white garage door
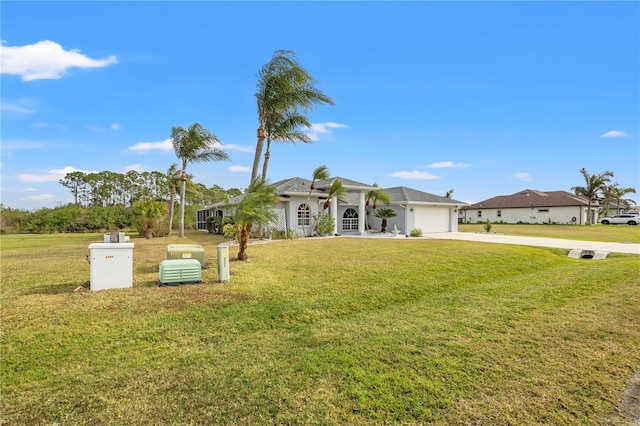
(432, 219)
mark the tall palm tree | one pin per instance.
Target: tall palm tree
(254, 207)
(191, 145)
(284, 127)
(173, 176)
(613, 192)
(284, 88)
(594, 184)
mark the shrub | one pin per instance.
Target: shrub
(487, 226)
(416, 232)
(323, 223)
(289, 234)
(230, 231)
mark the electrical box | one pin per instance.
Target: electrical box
(180, 271)
(186, 251)
(223, 263)
(111, 265)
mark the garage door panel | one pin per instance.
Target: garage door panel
(432, 219)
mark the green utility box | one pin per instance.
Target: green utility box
(180, 271)
(186, 251)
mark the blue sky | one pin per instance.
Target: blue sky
(485, 98)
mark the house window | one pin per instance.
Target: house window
(499, 214)
(350, 220)
(479, 213)
(303, 215)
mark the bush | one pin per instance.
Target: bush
(487, 226)
(289, 234)
(230, 231)
(324, 224)
(416, 232)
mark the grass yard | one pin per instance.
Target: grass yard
(605, 233)
(319, 331)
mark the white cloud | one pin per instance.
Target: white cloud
(136, 167)
(46, 60)
(115, 126)
(318, 129)
(415, 175)
(143, 147)
(54, 175)
(523, 176)
(40, 197)
(615, 134)
(238, 148)
(447, 165)
(16, 108)
(241, 169)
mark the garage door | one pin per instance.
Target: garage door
(431, 219)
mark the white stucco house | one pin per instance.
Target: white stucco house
(531, 206)
(414, 209)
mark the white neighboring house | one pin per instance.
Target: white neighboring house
(531, 206)
(414, 209)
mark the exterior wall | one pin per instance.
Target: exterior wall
(428, 219)
(563, 215)
(291, 211)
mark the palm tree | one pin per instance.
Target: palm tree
(320, 173)
(254, 207)
(173, 176)
(284, 128)
(284, 89)
(448, 194)
(373, 196)
(615, 193)
(192, 145)
(149, 211)
(384, 213)
(594, 184)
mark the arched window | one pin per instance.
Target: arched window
(303, 215)
(350, 220)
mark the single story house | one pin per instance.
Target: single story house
(531, 206)
(297, 205)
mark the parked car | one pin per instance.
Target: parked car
(621, 219)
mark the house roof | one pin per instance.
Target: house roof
(531, 198)
(348, 184)
(402, 194)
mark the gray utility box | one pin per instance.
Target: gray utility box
(180, 271)
(111, 265)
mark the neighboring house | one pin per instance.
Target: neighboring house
(414, 209)
(531, 206)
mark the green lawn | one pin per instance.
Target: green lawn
(319, 331)
(605, 233)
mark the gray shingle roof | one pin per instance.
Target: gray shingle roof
(402, 194)
(529, 198)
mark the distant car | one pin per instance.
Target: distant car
(620, 219)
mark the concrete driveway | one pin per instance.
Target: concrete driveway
(538, 242)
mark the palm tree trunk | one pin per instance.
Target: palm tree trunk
(267, 155)
(183, 185)
(172, 201)
(262, 135)
(243, 241)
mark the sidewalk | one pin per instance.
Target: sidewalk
(538, 242)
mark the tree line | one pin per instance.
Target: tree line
(107, 200)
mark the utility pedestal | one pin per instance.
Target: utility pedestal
(111, 265)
